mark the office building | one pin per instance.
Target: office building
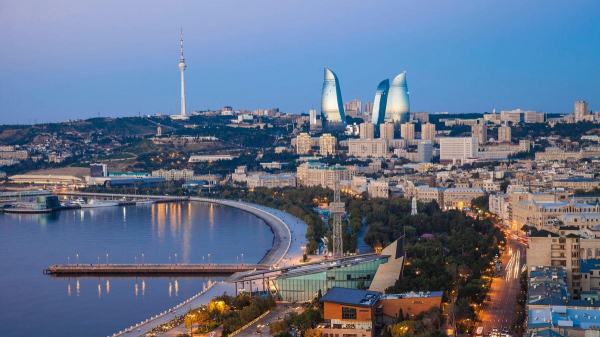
(303, 143)
(428, 132)
(368, 148)
(479, 130)
(457, 149)
(367, 130)
(407, 131)
(379, 103)
(327, 144)
(397, 108)
(386, 131)
(332, 108)
(504, 134)
(580, 110)
(425, 151)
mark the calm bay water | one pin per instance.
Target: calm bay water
(32, 303)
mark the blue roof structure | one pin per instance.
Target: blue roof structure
(590, 264)
(348, 296)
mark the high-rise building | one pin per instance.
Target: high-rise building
(479, 130)
(367, 108)
(581, 110)
(407, 131)
(303, 143)
(457, 148)
(380, 101)
(534, 117)
(332, 108)
(425, 151)
(428, 132)
(397, 108)
(386, 131)
(504, 134)
(367, 130)
(312, 115)
(353, 108)
(327, 144)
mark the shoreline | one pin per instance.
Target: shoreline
(289, 238)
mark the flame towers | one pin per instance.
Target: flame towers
(332, 107)
(391, 102)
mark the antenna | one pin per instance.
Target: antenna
(181, 44)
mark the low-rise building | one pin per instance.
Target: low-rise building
(459, 198)
(365, 148)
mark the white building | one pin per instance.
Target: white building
(458, 149)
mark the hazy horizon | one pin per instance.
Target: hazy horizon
(76, 60)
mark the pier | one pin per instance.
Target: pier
(150, 269)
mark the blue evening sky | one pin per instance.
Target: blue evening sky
(66, 59)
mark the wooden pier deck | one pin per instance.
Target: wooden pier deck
(150, 269)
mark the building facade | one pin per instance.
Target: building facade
(332, 107)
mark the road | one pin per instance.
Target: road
(499, 311)
(275, 315)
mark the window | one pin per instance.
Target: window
(348, 313)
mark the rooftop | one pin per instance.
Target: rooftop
(357, 297)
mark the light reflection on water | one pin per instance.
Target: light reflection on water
(99, 306)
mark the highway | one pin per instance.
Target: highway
(499, 311)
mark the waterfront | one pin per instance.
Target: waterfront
(98, 306)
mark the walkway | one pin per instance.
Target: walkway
(150, 269)
(288, 247)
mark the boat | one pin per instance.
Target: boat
(95, 203)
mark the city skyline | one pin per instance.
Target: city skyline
(466, 57)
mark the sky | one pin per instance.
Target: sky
(70, 59)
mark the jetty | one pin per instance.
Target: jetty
(151, 269)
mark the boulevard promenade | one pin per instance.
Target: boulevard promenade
(289, 239)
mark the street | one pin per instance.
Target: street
(261, 327)
(499, 311)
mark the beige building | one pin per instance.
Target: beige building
(271, 180)
(504, 134)
(424, 193)
(459, 198)
(407, 131)
(580, 110)
(368, 148)
(545, 213)
(170, 175)
(551, 249)
(367, 130)
(513, 116)
(14, 154)
(457, 148)
(534, 117)
(319, 174)
(428, 132)
(327, 144)
(479, 131)
(386, 131)
(378, 189)
(303, 143)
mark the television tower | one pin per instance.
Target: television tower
(337, 209)
(182, 67)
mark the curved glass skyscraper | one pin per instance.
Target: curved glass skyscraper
(332, 106)
(398, 107)
(380, 101)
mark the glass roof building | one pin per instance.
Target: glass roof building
(378, 113)
(332, 107)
